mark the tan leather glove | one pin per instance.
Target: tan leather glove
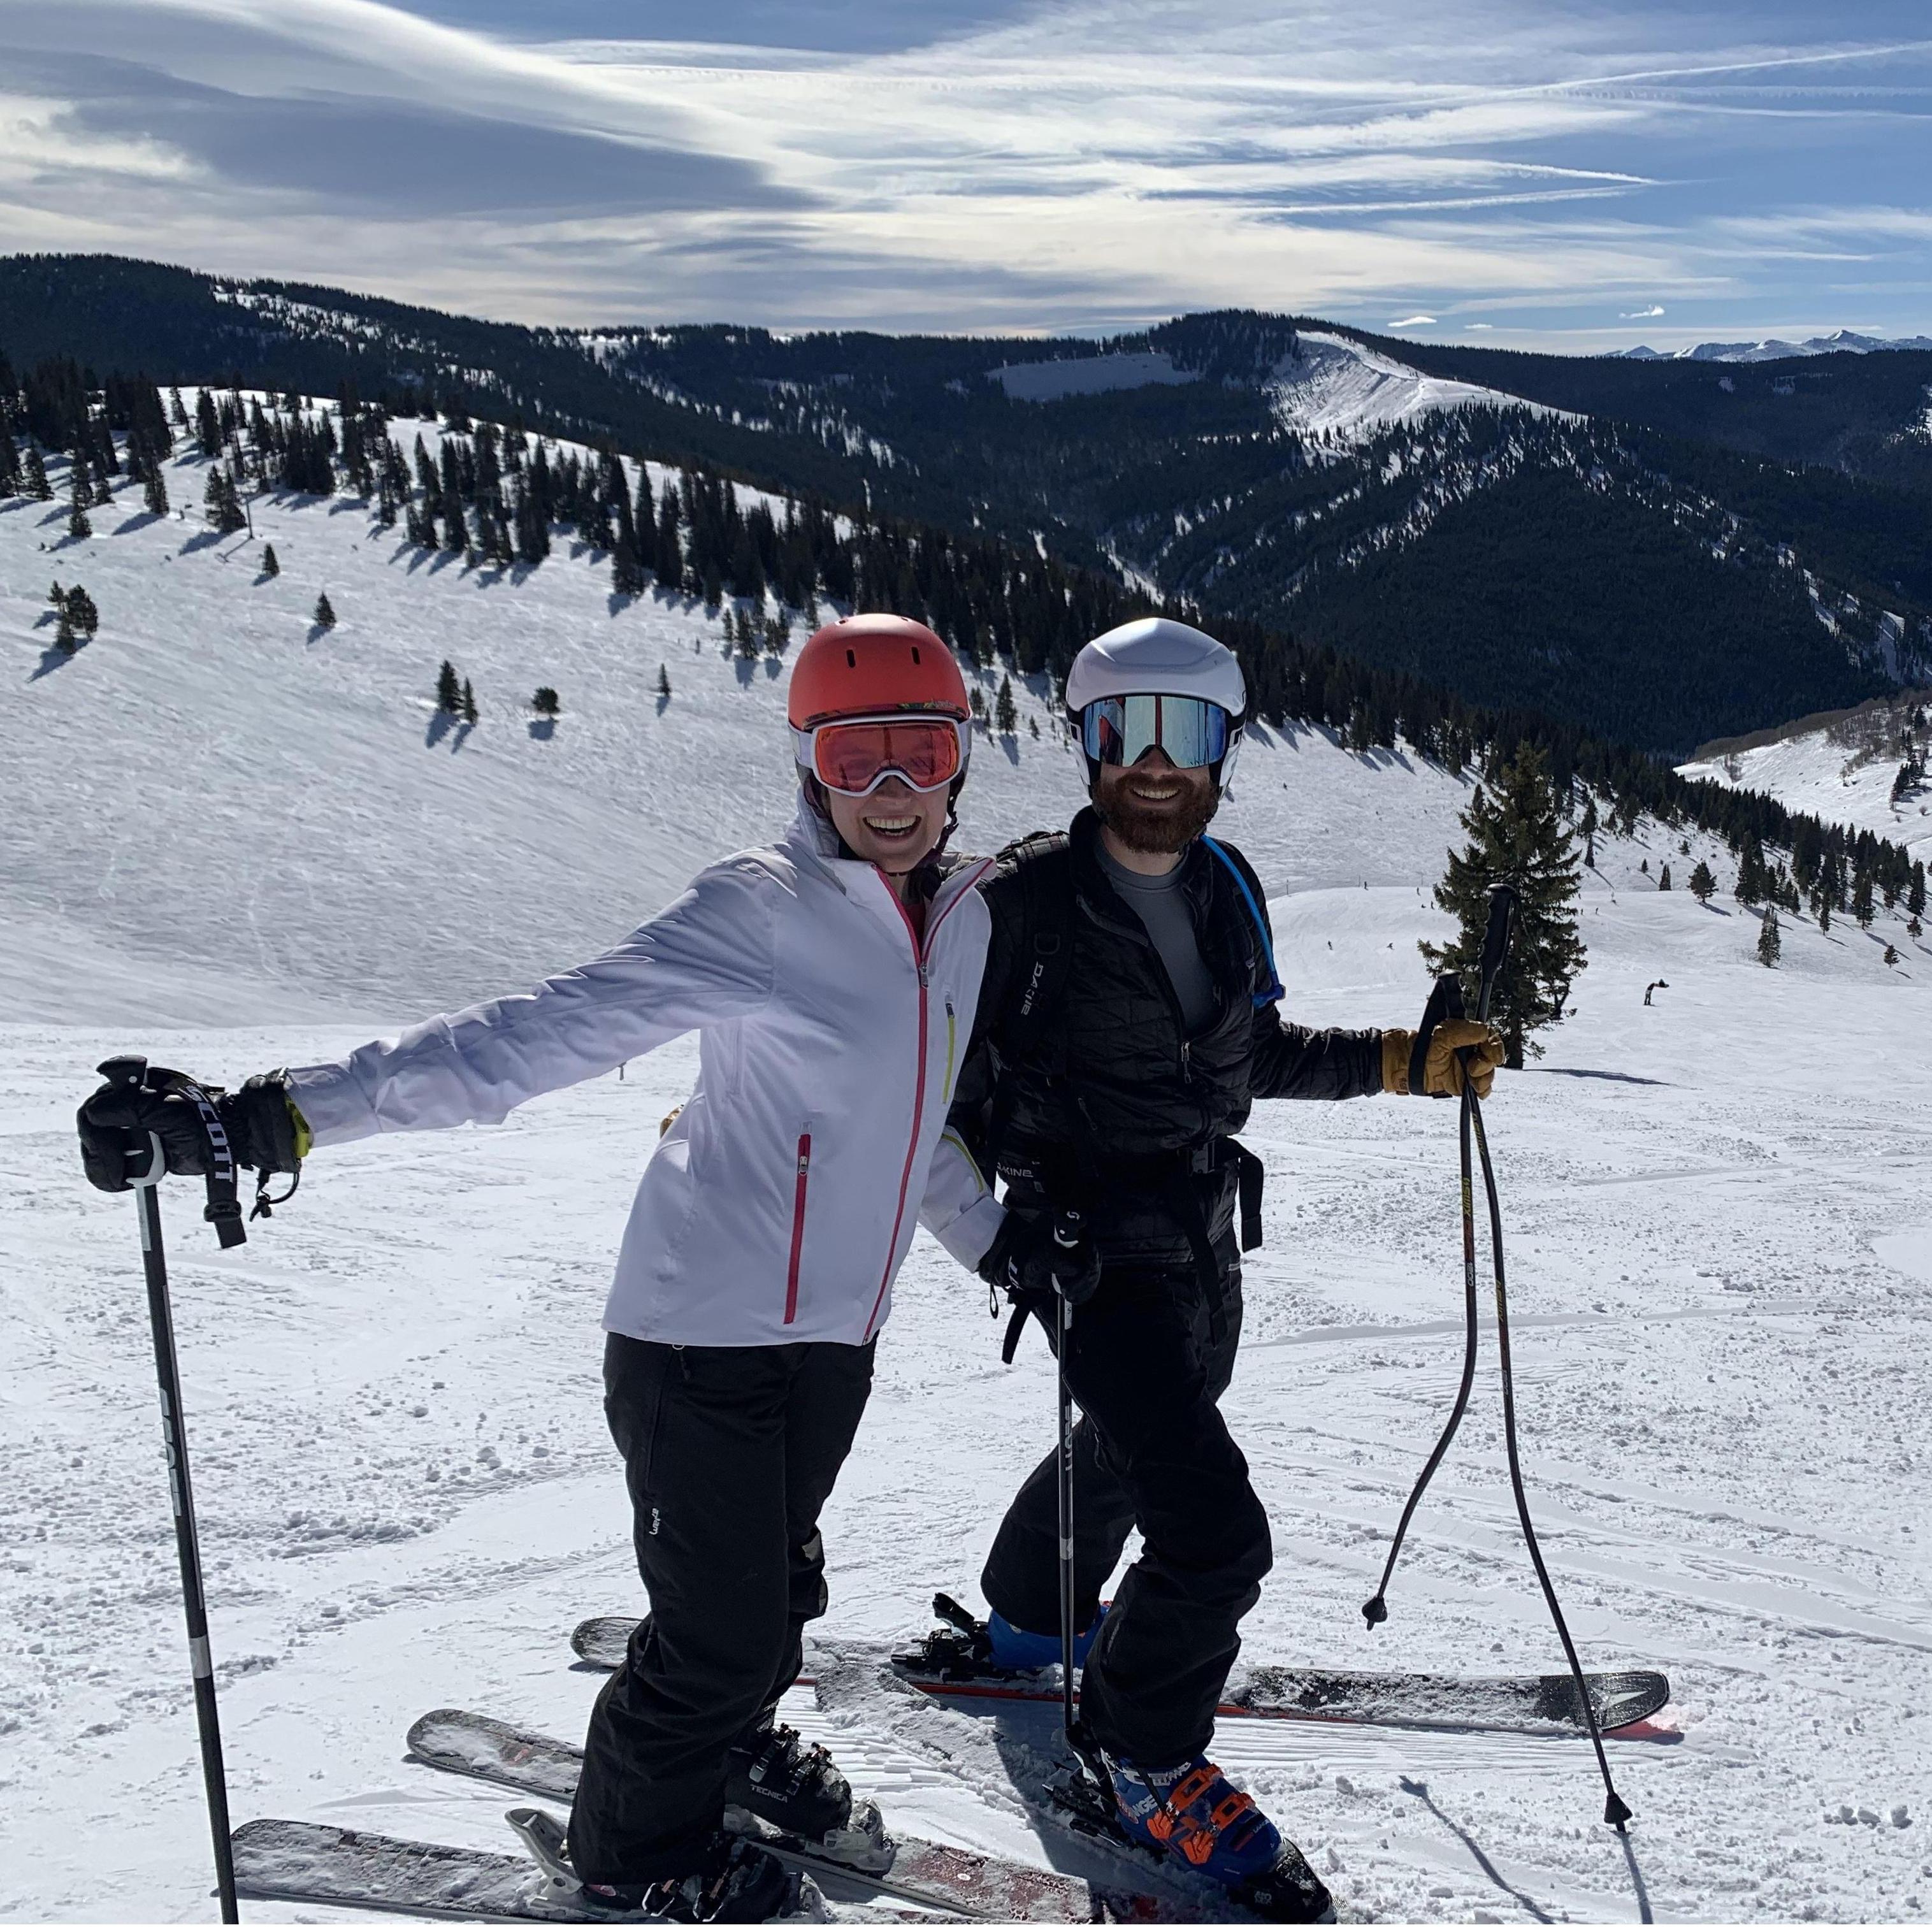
(1444, 1073)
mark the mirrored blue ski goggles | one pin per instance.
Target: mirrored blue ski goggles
(1120, 731)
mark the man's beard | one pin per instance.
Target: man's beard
(1171, 827)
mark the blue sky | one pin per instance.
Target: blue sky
(1515, 172)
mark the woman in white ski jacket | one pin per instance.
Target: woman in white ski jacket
(832, 978)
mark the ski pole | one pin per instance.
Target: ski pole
(132, 1072)
(1066, 1234)
(1445, 1002)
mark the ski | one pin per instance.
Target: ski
(943, 1879)
(364, 1871)
(944, 1665)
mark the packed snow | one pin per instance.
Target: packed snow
(1087, 375)
(1339, 389)
(232, 841)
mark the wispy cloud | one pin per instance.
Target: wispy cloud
(1075, 163)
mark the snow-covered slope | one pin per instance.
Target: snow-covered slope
(1841, 781)
(233, 844)
(1336, 388)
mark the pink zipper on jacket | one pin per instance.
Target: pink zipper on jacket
(797, 1228)
(922, 953)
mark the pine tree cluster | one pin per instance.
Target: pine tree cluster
(75, 617)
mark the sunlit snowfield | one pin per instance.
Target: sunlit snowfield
(233, 844)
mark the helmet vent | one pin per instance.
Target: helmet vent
(852, 660)
(915, 654)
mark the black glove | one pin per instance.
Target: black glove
(117, 1120)
(1035, 1255)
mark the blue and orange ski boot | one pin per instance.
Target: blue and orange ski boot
(1190, 1814)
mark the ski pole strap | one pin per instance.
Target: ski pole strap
(224, 1203)
(1275, 989)
(1445, 1002)
(1252, 1176)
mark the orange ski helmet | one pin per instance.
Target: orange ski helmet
(871, 665)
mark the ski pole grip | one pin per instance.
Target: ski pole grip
(127, 1070)
(1445, 1002)
(1070, 1225)
(1495, 938)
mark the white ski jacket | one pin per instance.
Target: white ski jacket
(780, 1203)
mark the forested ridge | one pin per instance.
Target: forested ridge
(498, 493)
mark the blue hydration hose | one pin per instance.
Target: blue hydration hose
(1275, 989)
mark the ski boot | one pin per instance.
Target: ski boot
(795, 1786)
(1010, 1647)
(1189, 1812)
(736, 1883)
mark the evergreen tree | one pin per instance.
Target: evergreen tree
(325, 612)
(271, 563)
(1703, 883)
(1861, 899)
(976, 703)
(448, 692)
(207, 424)
(11, 484)
(154, 491)
(1587, 827)
(1005, 715)
(545, 704)
(1752, 878)
(1915, 895)
(1770, 941)
(1516, 833)
(1890, 954)
(468, 712)
(77, 523)
(627, 574)
(1824, 915)
(664, 683)
(1663, 880)
(81, 613)
(63, 636)
(37, 487)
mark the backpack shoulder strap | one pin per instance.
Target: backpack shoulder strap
(1042, 866)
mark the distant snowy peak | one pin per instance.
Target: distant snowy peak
(1839, 342)
(1339, 389)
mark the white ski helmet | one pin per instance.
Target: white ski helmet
(1160, 657)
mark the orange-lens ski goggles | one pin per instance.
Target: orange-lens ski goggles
(856, 755)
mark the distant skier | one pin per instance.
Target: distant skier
(828, 975)
(1128, 1019)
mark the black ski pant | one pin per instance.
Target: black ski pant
(1147, 1359)
(729, 1455)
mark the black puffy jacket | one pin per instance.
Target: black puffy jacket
(1110, 1101)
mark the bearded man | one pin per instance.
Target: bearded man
(1127, 1019)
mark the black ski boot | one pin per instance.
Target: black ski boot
(775, 1775)
(735, 1882)
(739, 1883)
